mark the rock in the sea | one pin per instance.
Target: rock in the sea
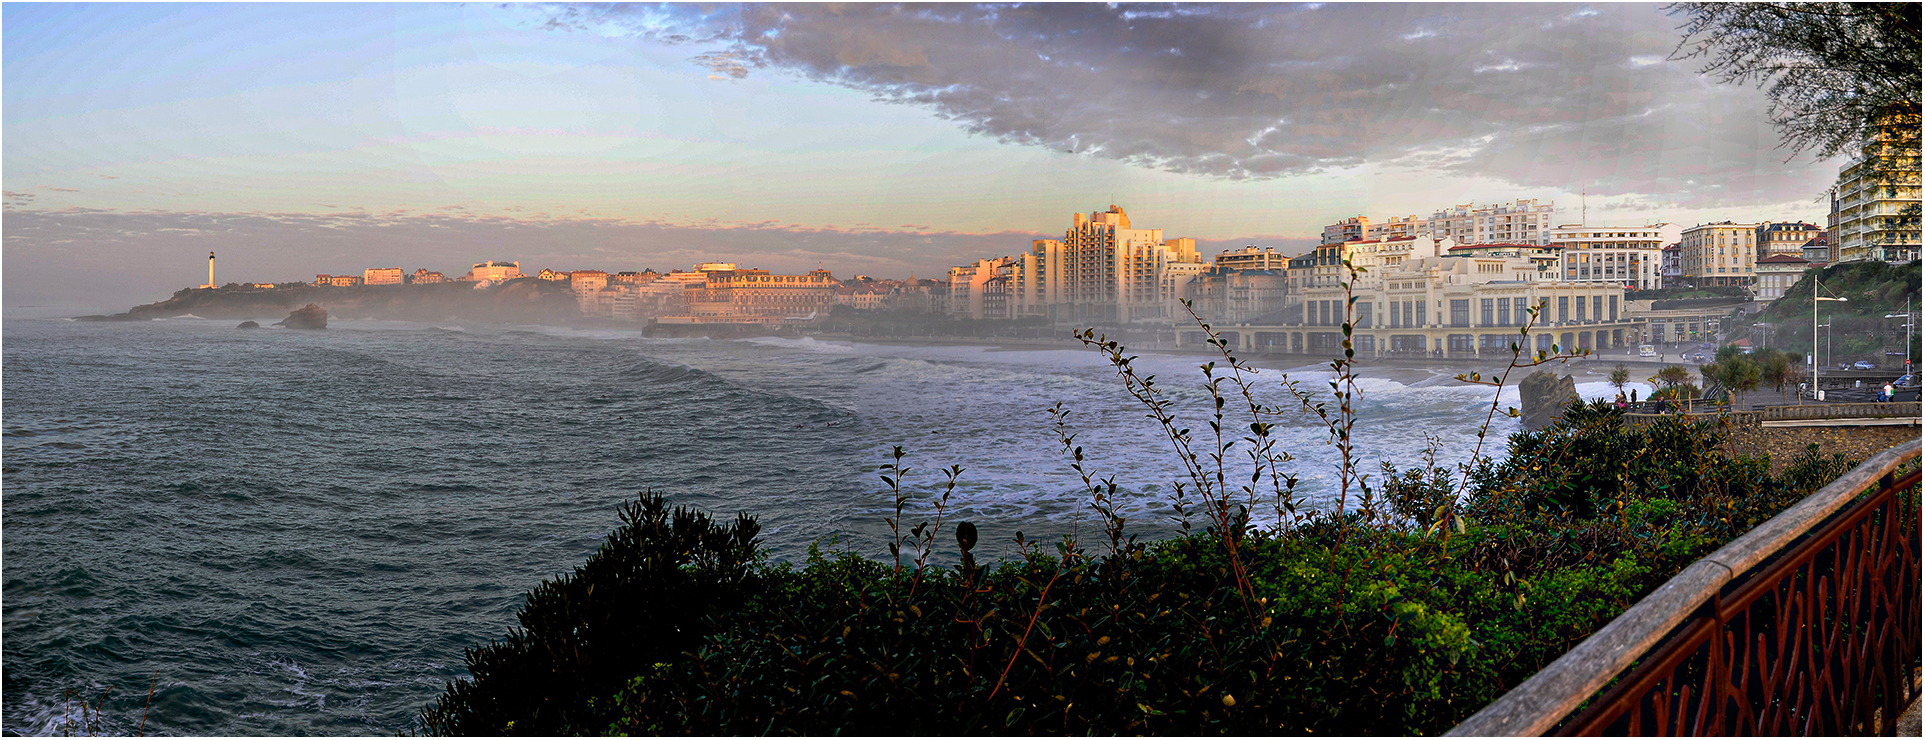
(248, 325)
(309, 316)
(1544, 396)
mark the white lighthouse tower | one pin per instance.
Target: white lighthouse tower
(210, 271)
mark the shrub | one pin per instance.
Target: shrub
(1437, 591)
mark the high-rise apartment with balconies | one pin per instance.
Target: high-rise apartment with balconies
(1109, 271)
(1875, 205)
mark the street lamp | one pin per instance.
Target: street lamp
(1815, 298)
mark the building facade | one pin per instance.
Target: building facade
(494, 270)
(381, 276)
(1786, 237)
(757, 296)
(1428, 305)
(1628, 255)
(1522, 221)
(1778, 272)
(1104, 269)
(1874, 206)
(1349, 230)
(1720, 254)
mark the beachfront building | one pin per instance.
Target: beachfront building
(381, 276)
(753, 296)
(424, 276)
(1429, 304)
(1103, 270)
(587, 285)
(493, 270)
(1719, 254)
(1627, 255)
(1229, 295)
(1677, 325)
(981, 290)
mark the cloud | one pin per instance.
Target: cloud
(1534, 95)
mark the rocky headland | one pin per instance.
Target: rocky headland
(527, 300)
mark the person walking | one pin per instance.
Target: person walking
(1886, 395)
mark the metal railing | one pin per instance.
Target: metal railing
(1842, 411)
(1807, 625)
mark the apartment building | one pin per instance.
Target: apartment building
(1672, 265)
(1251, 258)
(547, 274)
(1628, 255)
(1818, 250)
(981, 290)
(1785, 237)
(1349, 230)
(381, 276)
(1522, 221)
(588, 285)
(337, 281)
(1104, 269)
(1777, 273)
(1719, 254)
(1868, 219)
(1226, 296)
(424, 276)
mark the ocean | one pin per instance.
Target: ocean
(295, 533)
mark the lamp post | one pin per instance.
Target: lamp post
(1815, 298)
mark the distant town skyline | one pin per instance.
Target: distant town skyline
(305, 139)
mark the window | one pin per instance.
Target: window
(1580, 309)
(1503, 311)
(1522, 314)
(1489, 310)
(1420, 312)
(1597, 307)
(1563, 308)
(1460, 312)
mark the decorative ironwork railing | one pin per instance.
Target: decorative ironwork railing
(1807, 625)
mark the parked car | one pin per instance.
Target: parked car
(1904, 381)
(1863, 365)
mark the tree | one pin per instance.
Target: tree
(1620, 377)
(1673, 375)
(1840, 76)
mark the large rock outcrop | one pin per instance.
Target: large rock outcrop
(309, 316)
(1544, 396)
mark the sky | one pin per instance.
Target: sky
(298, 139)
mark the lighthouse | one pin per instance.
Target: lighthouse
(210, 271)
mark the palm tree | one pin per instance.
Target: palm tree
(1620, 377)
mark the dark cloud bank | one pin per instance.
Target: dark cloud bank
(1565, 95)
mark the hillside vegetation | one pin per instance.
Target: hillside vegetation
(1872, 290)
